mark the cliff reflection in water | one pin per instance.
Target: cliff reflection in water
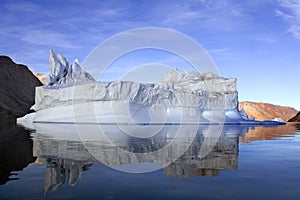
(270, 132)
(15, 150)
(67, 154)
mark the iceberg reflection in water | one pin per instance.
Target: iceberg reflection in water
(250, 165)
(67, 154)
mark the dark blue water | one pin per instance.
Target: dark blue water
(244, 163)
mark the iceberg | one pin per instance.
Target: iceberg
(73, 96)
(62, 73)
(277, 120)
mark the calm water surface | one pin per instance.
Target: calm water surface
(53, 161)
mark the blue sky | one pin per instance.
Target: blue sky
(256, 41)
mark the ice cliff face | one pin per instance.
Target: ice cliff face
(207, 91)
(61, 72)
(177, 89)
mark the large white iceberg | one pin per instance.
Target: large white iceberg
(73, 96)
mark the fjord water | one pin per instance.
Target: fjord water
(60, 161)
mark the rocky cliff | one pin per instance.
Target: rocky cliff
(17, 89)
(41, 77)
(266, 111)
(295, 118)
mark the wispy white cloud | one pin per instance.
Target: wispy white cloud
(263, 38)
(42, 37)
(283, 15)
(290, 12)
(220, 51)
(295, 30)
(21, 7)
(205, 13)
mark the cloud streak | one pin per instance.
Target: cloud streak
(42, 37)
(208, 14)
(290, 12)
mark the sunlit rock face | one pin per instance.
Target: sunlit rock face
(42, 77)
(266, 111)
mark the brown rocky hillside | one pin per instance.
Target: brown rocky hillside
(41, 77)
(266, 111)
(295, 118)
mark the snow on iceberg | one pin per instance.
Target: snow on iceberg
(73, 96)
(61, 72)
